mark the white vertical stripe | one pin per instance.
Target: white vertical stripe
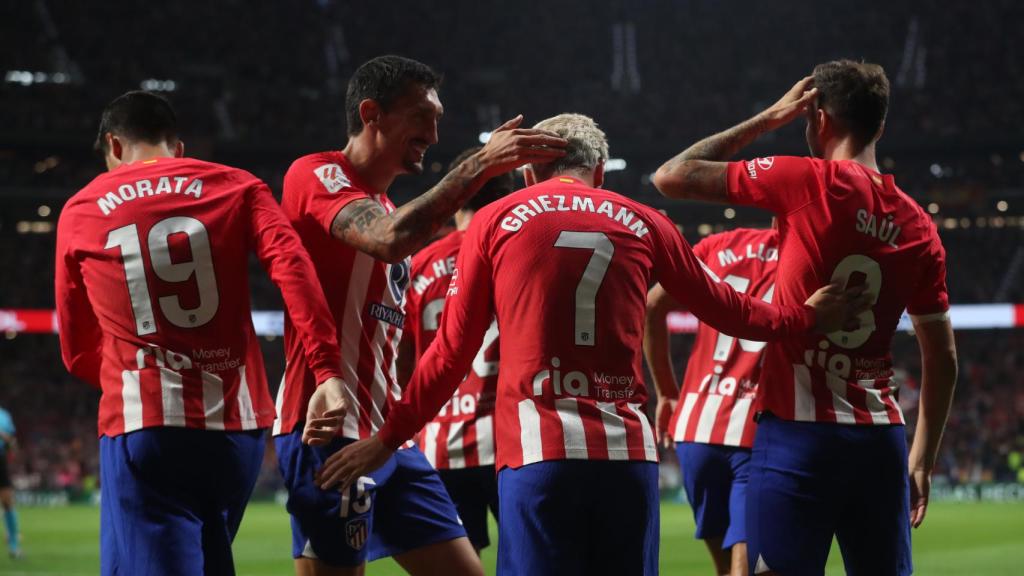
(213, 401)
(279, 403)
(172, 396)
(614, 431)
(246, 413)
(876, 406)
(708, 415)
(351, 332)
(737, 421)
(131, 396)
(650, 447)
(684, 416)
(430, 442)
(841, 406)
(803, 398)
(456, 448)
(485, 439)
(379, 386)
(573, 436)
(529, 432)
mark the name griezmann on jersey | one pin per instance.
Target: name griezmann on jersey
(521, 213)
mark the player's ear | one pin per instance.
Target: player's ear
(179, 149)
(824, 122)
(599, 174)
(369, 112)
(528, 176)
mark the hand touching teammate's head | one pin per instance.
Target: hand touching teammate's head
(392, 104)
(584, 155)
(137, 118)
(852, 101)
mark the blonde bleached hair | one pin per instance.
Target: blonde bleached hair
(588, 145)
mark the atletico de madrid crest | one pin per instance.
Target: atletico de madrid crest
(356, 532)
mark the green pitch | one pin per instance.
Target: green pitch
(957, 539)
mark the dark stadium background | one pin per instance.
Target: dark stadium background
(257, 84)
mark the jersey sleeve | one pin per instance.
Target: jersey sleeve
(467, 314)
(324, 189)
(714, 302)
(930, 300)
(781, 184)
(81, 338)
(285, 259)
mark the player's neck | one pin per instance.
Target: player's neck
(846, 149)
(367, 162)
(585, 177)
(142, 151)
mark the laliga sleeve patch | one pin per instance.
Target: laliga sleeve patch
(332, 177)
(766, 164)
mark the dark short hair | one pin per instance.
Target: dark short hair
(498, 187)
(138, 116)
(384, 79)
(856, 94)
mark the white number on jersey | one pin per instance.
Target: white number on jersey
(723, 346)
(590, 283)
(841, 275)
(432, 321)
(199, 268)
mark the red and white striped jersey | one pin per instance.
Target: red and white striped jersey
(842, 222)
(152, 290)
(366, 297)
(461, 435)
(720, 384)
(565, 269)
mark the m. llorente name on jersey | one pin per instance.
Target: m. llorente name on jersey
(146, 187)
(523, 212)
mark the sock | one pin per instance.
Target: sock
(11, 521)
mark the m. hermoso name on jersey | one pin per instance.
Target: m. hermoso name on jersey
(521, 213)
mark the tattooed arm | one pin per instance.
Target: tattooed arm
(699, 172)
(365, 225)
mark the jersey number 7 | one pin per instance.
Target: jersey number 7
(590, 283)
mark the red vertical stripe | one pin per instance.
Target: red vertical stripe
(192, 394)
(469, 447)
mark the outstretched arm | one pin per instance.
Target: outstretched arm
(365, 225)
(467, 315)
(699, 172)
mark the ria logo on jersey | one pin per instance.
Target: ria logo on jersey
(577, 383)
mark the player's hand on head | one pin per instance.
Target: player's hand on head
(792, 104)
(345, 466)
(836, 308)
(920, 487)
(662, 417)
(325, 413)
(511, 147)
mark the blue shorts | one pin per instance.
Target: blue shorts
(171, 499)
(474, 491)
(399, 507)
(811, 480)
(715, 478)
(579, 517)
